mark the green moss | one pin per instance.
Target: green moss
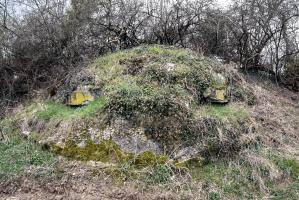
(52, 110)
(149, 159)
(190, 164)
(106, 151)
(126, 164)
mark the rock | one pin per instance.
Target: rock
(26, 133)
(218, 92)
(136, 142)
(186, 153)
(120, 132)
(128, 138)
(169, 66)
(82, 144)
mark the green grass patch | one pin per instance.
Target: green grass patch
(174, 53)
(52, 110)
(241, 180)
(17, 155)
(233, 180)
(227, 112)
(290, 192)
(289, 166)
(106, 151)
(290, 169)
(160, 174)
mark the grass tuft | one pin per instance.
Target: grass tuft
(52, 110)
(227, 112)
(160, 174)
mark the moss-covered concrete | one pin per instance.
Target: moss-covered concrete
(107, 151)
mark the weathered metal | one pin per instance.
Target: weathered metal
(219, 91)
(80, 97)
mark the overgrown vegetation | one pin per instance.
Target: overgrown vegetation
(239, 178)
(290, 76)
(163, 93)
(157, 92)
(160, 174)
(157, 88)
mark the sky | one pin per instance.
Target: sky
(223, 3)
(20, 8)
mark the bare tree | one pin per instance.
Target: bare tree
(41, 40)
(258, 25)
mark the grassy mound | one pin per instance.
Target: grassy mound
(151, 79)
(156, 89)
(161, 90)
(155, 93)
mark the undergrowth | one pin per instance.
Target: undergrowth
(239, 179)
(231, 179)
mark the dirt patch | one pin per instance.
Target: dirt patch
(79, 181)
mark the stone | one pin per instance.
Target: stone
(219, 91)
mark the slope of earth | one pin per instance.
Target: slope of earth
(151, 134)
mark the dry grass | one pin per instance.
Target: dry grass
(278, 115)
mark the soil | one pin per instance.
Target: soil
(77, 182)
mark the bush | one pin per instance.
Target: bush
(160, 174)
(290, 77)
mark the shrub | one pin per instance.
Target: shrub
(160, 174)
(290, 76)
